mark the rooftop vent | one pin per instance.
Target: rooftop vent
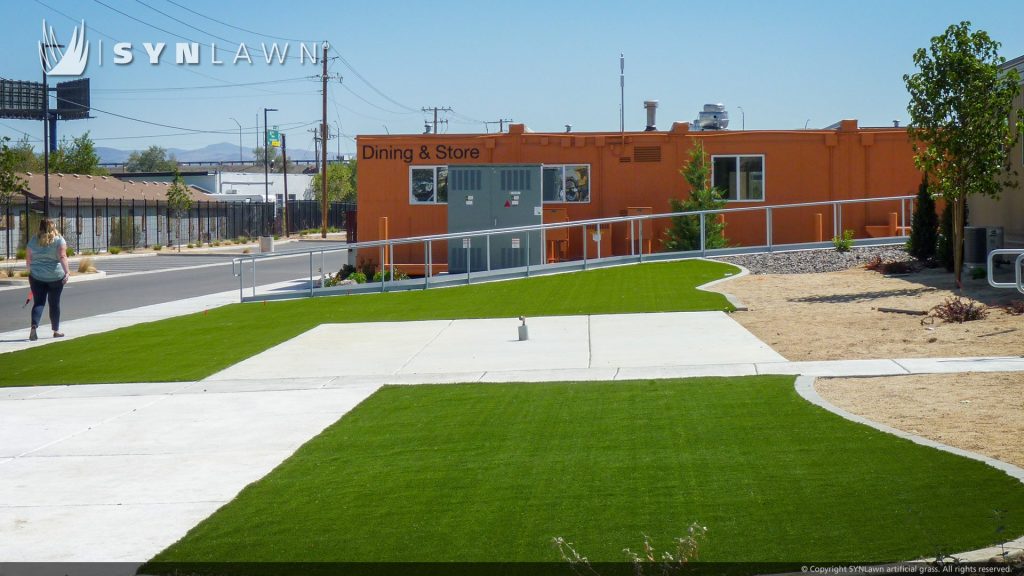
(652, 109)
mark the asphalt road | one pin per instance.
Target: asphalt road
(164, 283)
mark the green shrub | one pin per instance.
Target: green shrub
(114, 250)
(845, 243)
(924, 227)
(385, 274)
(944, 249)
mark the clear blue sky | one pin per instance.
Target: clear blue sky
(786, 63)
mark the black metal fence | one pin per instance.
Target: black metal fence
(96, 225)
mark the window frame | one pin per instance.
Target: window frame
(738, 158)
(413, 201)
(590, 182)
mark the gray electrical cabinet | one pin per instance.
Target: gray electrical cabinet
(485, 197)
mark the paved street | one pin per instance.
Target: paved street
(159, 279)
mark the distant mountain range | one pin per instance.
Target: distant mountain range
(213, 153)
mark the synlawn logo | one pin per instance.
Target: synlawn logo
(58, 60)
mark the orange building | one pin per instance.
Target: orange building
(602, 174)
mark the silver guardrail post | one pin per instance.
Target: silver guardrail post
(702, 235)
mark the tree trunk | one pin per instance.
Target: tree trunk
(959, 205)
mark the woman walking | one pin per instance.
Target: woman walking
(47, 261)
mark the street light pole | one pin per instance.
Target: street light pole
(239, 141)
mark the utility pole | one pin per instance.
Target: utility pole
(323, 149)
(500, 122)
(435, 109)
(284, 169)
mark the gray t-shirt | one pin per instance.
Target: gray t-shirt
(46, 260)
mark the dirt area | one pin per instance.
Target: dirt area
(833, 315)
(983, 413)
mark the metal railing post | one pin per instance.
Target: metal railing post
(769, 225)
(584, 246)
(527, 254)
(426, 261)
(641, 245)
(702, 236)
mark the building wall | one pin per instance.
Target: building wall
(1008, 210)
(626, 172)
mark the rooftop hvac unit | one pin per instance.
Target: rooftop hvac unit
(713, 117)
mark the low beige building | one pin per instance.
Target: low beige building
(1008, 210)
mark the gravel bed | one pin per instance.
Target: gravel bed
(811, 261)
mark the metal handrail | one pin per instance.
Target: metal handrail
(386, 246)
(1018, 282)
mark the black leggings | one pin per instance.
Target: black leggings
(43, 292)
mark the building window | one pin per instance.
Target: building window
(428, 184)
(567, 183)
(740, 178)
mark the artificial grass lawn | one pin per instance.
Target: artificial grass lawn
(196, 346)
(492, 472)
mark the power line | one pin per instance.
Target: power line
(367, 82)
(182, 22)
(207, 87)
(221, 22)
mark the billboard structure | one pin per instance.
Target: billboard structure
(23, 100)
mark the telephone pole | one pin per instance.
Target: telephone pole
(436, 109)
(323, 149)
(500, 122)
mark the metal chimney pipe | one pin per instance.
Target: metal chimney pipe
(652, 109)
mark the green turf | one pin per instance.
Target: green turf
(196, 346)
(491, 472)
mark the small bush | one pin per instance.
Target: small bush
(845, 243)
(960, 310)
(114, 250)
(85, 265)
(385, 274)
(1015, 308)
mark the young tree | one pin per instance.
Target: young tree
(76, 156)
(179, 201)
(924, 227)
(341, 182)
(152, 159)
(960, 107)
(684, 233)
(25, 158)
